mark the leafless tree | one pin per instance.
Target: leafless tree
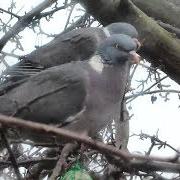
(159, 30)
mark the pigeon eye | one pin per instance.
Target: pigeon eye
(120, 48)
(116, 46)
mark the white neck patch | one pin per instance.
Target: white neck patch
(106, 32)
(96, 63)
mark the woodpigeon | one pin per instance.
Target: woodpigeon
(79, 44)
(81, 96)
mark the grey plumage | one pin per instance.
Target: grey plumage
(76, 95)
(79, 44)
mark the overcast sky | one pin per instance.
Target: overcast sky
(148, 117)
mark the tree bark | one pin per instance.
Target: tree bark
(162, 10)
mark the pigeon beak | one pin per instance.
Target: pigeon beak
(138, 43)
(135, 58)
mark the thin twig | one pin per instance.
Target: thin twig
(69, 16)
(11, 155)
(24, 21)
(153, 92)
(132, 97)
(10, 13)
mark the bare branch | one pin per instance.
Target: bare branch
(49, 13)
(69, 16)
(8, 12)
(51, 130)
(9, 54)
(27, 162)
(12, 157)
(152, 92)
(24, 21)
(145, 91)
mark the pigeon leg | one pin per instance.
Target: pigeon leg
(61, 163)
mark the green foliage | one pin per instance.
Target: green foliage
(76, 172)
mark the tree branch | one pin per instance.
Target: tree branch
(170, 28)
(24, 21)
(164, 11)
(152, 92)
(51, 130)
(12, 157)
(10, 13)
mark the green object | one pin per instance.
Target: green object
(76, 172)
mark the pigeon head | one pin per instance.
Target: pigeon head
(118, 49)
(122, 28)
